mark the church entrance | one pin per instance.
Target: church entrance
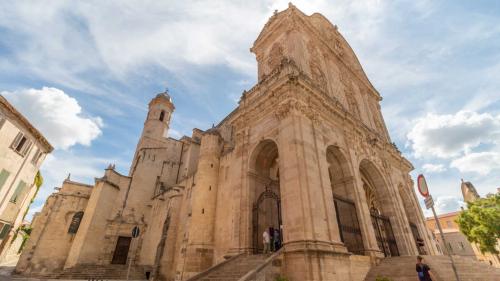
(265, 191)
(347, 219)
(342, 184)
(418, 240)
(379, 203)
(383, 232)
(121, 250)
(268, 202)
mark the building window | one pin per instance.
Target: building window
(36, 156)
(162, 115)
(21, 144)
(4, 175)
(2, 121)
(18, 194)
(4, 230)
(75, 222)
(450, 249)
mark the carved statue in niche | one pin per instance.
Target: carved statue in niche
(351, 101)
(275, 56)
(315, 65)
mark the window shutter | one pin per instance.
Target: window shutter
(2, 121)
(4, 175)
(18, 192)
(16, 141)
(5, 230)
(75, 222)
(26, 147)
(36, 156)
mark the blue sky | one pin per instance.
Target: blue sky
(83, 73)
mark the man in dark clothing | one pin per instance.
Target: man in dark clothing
(423, 270)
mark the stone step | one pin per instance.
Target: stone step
(403, 268)
(235, 269)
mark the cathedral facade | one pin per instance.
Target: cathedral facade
(306, 152)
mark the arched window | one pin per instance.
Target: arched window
(75, 222)
(162, 115)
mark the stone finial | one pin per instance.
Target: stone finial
(68, 178)
(275, 12)
(111, 167)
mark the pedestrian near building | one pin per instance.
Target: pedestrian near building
(267, 240)
(423, 270)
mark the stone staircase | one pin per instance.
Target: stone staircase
(99, 272)
(403, 269)
(232, 269)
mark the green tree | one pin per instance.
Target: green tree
(481, 223)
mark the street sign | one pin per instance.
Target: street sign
(135, 232)
(422, 186)
(429, 202)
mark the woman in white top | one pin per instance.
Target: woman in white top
(267, 240)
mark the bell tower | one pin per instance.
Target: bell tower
(158, 119)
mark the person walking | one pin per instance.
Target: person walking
(423, 270)
(271, 233)
(277, 240)
(267, 240)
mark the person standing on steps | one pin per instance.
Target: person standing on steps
(423, 270)
(271, 242)
(277, 240)
(267, 240)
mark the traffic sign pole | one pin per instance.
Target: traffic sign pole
(130, 259)
(444, 243)
(429, 204)
(135, 234)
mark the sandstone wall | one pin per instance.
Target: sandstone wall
(48, 247)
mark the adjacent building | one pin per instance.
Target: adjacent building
(306, 154)
(456, 241)
(22, 150)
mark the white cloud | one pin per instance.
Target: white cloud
(121, 36)
(57, 115)
(479, 162)
(451, 135)
(433, 168)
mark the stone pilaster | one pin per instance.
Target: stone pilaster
(310, 230)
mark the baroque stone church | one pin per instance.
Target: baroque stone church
(306, 152)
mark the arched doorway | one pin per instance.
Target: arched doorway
(412, 217)
(265, 188)
(342, 184)
(378, 201)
